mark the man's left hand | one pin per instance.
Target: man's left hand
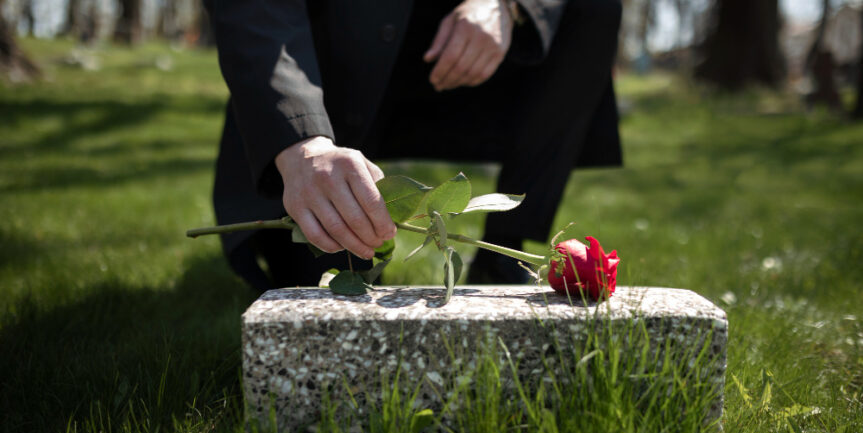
(470, 44)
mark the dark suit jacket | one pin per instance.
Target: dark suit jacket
(278, 56)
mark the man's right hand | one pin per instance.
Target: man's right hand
(330, 192)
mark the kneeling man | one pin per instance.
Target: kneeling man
(319, 89)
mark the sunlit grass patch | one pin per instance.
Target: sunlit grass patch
(110, 319)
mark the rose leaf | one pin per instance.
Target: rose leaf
(452, 270)
(349, 283)
(426, 241)
(451, 196)
(438, 227)
(402, 196)
(370, 275)
(495, 202)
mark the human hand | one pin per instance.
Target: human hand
(470, 44)
(330, 192)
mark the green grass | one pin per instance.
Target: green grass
(111, 320)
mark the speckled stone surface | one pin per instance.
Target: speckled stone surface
(297, 342)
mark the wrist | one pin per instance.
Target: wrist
(286, 159)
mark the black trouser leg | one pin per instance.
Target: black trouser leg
(531, 119)
(560, 98)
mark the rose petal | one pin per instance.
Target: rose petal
(595, 249)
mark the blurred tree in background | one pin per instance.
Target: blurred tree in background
(729, 43)
(13, 63)
(129, 27)
(821, 66)
(743, 47)
(858, 110)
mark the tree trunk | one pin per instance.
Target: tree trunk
(683, 15)
(29, 17)
(621, 60)
(819, 34)
(206, 38)
(743, 46)
(858, 110)
(821, 66)
(129, 28)
(72, 27)
(13, 62)
(645, 22)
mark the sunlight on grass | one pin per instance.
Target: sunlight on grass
(110, 319)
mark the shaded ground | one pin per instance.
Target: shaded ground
(111, 319)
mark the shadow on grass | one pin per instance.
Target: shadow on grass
(120, 354)
(128, 157)
(82, 119)
(783, 143)
(736, 131)
(71, 177)
(17, 249)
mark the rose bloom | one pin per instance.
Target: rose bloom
(594, 274)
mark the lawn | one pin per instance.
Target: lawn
(110, 319)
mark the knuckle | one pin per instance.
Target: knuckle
(377, 175)
(337, 228)
(342, 161)
(355, 220)
(350, 162)
(319, 177)
(383, 225)
(321, 240)
(352, 244)
(370, 199)
(459, 69)
(293, 203)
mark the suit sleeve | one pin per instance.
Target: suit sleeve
(267, 58)
(532, 40)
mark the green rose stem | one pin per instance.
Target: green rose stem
(516, 254)
(286, 223)
(238, 227)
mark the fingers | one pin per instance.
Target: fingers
(314, 232)
(334, 199)
(376, 172)
(449, 58)
(483, 68)
(477, 64)
(469, 58)
(345, 201)
(339, 230)
(440, 39)
(370, 199)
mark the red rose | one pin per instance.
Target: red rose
(595, 272)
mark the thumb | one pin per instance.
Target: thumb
(440, 39)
